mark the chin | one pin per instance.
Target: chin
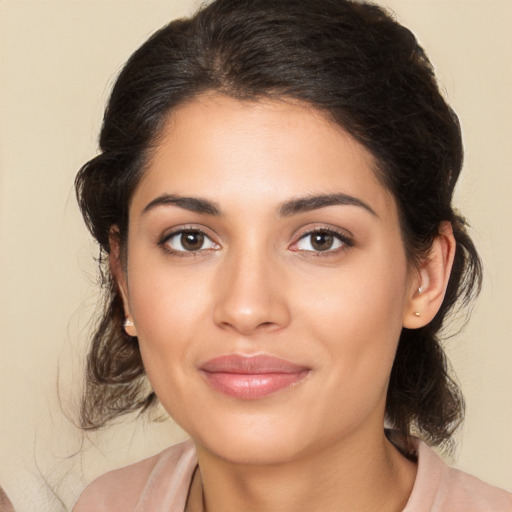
(257, 439)
(253, 451)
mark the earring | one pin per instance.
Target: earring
(129, 328)
(416, 313)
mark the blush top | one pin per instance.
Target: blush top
(161, 484)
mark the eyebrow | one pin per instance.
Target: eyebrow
(193, 204)
(314, 202)
(287, 209)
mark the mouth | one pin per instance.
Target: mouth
(251, 377)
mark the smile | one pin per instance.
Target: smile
(251, 378)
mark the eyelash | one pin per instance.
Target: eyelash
(164, 242)
(346, 242)
(341, 236)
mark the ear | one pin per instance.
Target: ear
(428, 288)
(119, 274)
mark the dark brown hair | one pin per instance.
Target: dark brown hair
(353, 62)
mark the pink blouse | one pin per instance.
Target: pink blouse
(161, 483)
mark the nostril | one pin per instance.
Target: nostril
(248, 327)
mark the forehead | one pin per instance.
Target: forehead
(229, 150)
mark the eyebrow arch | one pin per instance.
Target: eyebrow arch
(309, 203)
(194, 204)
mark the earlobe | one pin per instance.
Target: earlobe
(119, 275)
(429, 287)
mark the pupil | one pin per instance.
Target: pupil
(322, 241)
(192, 241)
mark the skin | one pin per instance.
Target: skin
(257, 286)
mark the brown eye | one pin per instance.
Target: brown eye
(190, 241)
(321, 241)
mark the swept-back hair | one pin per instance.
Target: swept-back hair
(357, 65)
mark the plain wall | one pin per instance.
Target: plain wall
(57, 62)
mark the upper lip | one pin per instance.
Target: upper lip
(252, 365)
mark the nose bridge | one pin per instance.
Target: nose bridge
(251, 292)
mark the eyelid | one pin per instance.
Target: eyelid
(164, 239)
(342, 235)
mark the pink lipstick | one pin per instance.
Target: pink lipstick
(251, 377)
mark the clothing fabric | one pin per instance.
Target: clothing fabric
(161, 483)
(5, 503)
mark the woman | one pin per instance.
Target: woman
(274, 196)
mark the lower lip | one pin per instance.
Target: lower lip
(252, 386)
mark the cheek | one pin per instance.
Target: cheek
(357, 314)
(169, 309)
(165, 298)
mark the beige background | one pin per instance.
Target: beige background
(57, 61)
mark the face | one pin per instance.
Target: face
(266, 278)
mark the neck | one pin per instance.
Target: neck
(354, 474)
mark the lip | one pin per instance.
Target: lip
(251, 377)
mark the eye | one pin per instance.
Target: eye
(322, 241)
(189, 240)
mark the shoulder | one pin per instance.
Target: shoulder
(163, 478)
(5, 503)
(440, 488)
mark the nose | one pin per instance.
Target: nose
(251, 295)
